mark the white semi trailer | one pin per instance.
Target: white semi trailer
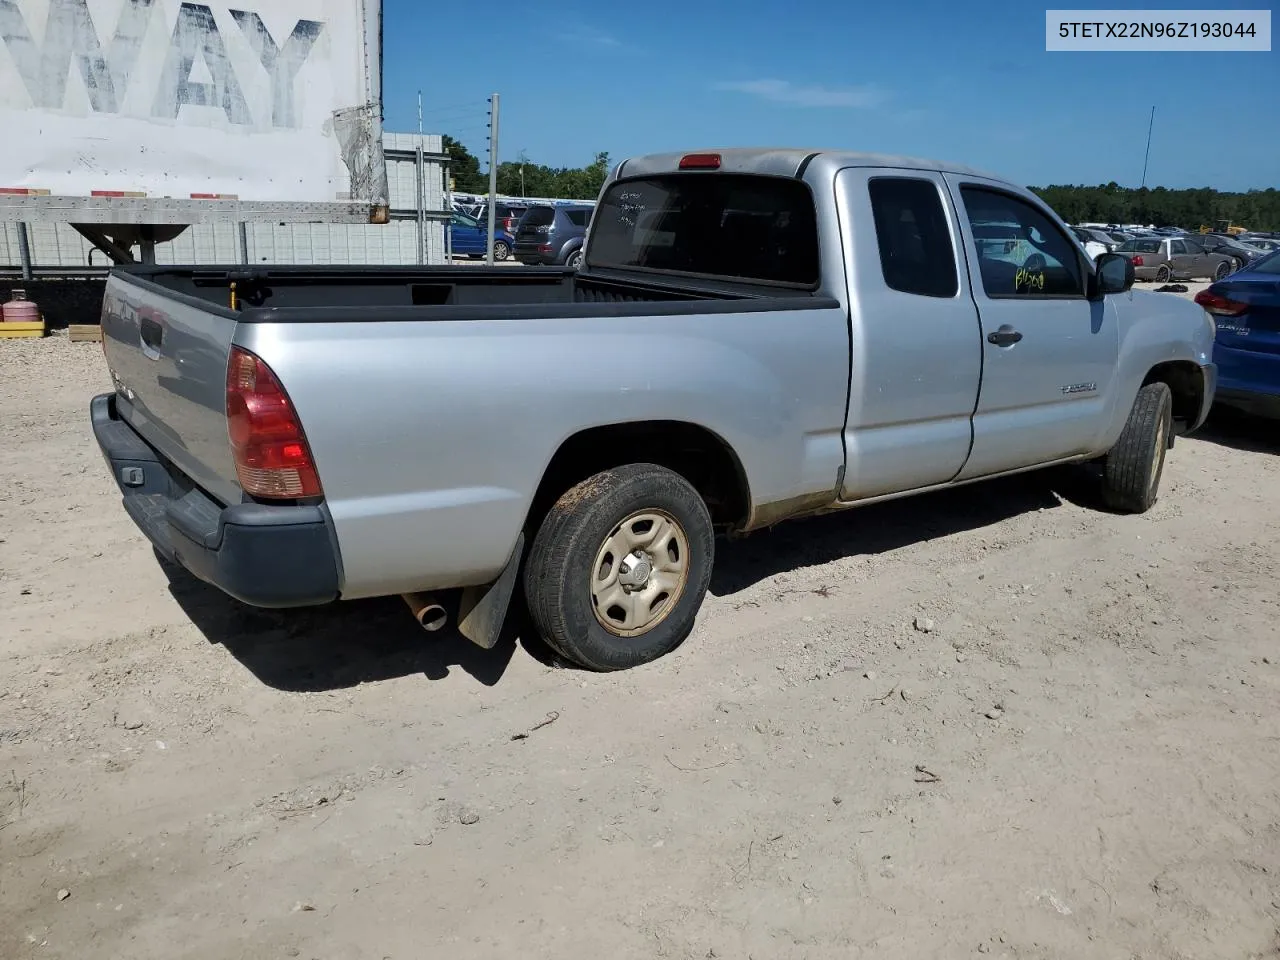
(133, 119)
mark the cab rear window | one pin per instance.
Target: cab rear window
(717, 225)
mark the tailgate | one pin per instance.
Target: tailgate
(168, 354)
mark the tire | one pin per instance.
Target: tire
(1132, 468)
(501, 250)
(1224, 269)
(581, 538)
(1163, 273)
(574, 260)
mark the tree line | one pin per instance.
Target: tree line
(1106, 203)
(523, 178)
(1191, 209)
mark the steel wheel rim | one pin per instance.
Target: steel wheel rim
(640, 573)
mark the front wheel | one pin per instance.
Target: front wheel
(620, 566)
(1132, 468)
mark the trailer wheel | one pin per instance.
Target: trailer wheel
(1132, 468)
(620, 566)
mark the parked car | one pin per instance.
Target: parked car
(553, 235)
(1246, 308)
(1092, 247)
(1265, 243)
(1174, 258)
(753, 335)
(1098, 236)
(470, 238)
(506, 215)
(1240, 253)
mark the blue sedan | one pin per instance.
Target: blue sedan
(470, 238)
(1246, 308)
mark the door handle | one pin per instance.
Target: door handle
(1006, 336)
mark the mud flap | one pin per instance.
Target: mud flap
(482, 610)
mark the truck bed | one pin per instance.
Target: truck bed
(343, 294)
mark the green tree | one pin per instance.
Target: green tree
(464, 167)
(1191, 209)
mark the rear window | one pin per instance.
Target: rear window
(538, 217)
(1140, 246)
(724, 225)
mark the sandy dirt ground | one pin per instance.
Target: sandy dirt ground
(1074, 752)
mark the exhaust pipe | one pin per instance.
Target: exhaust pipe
(431, 616)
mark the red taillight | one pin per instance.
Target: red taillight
(271, 453)
(1219, 305)
(544, 248)
(1138, 261)
(700, 161)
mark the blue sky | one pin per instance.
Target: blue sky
(957, 81)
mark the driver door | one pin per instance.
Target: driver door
(1049, 353)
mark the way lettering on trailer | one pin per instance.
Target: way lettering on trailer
(71, 39)
(1164, 31)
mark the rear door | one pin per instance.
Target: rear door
(916, 351)
(1048, 353)
(167, 354)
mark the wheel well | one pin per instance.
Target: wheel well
(694, 452)
(1186, 383)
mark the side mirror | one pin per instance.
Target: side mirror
(1114, 273)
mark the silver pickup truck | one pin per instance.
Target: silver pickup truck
(753, 335)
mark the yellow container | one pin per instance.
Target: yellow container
(10, 330)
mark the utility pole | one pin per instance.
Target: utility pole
(1151, 123)
(420, 174)
(493, 171)
(523, 160)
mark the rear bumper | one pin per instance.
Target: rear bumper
(1248, 380)
(529, 253)
(265, 556)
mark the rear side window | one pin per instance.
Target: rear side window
(579, 218)
(916, 254)
(721, 225)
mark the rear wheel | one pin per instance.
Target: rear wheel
(1164, 274)
(620, 566)
(1224, 269)
(1133, 467)
(574, 261)
(501, 250)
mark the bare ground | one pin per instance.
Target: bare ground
(1077, 760)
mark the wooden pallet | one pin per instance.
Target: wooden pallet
(85, 332)
(9, 331)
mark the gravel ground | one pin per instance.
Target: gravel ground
(994, 720)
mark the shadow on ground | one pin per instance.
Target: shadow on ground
(363, 641)
(342, 644)
(882, 527)
(1240, 431)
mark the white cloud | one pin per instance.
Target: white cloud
(814, 95)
